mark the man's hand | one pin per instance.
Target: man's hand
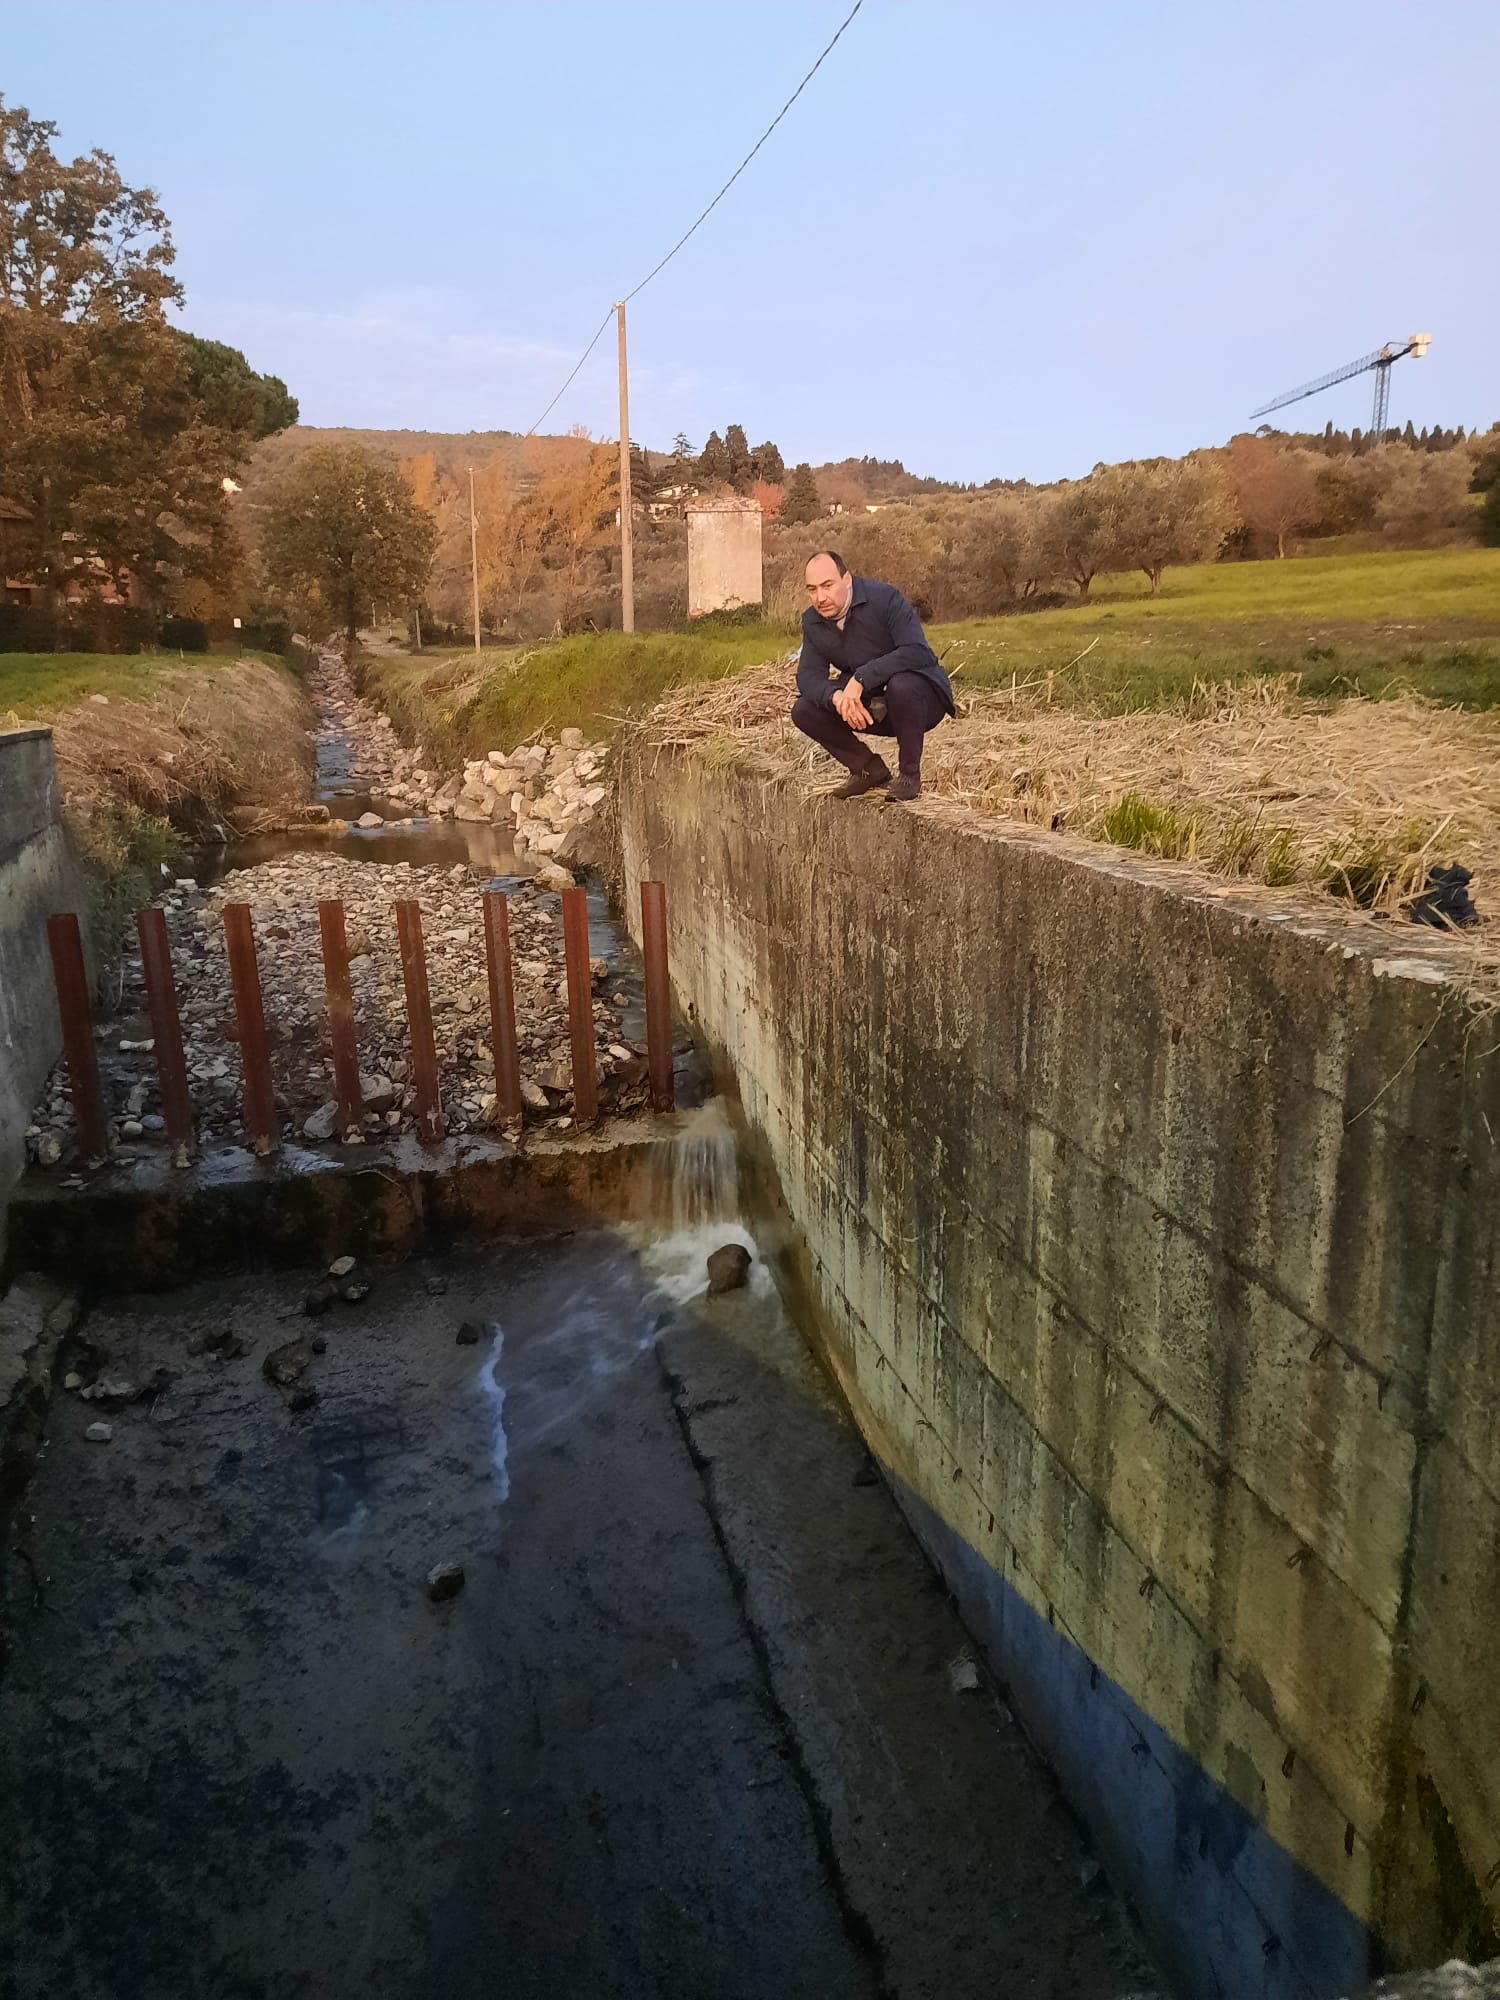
(849, 701)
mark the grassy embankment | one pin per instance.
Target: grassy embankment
(1426, 622)
(171, 747)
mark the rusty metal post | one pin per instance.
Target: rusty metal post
(419, 1021)
(71, 979)
(166, 1030)
(575, 908)
(502, 1006)
(351, 1108)
(258, 1108)
(658, 994)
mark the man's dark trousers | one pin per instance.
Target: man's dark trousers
(913, 705)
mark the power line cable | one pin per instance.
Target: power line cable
(577, 365)
(749, 156)
(658, 268)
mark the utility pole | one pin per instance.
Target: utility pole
(627, 548)
(474, 556)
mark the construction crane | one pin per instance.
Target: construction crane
(1381, 361)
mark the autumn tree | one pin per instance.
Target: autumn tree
(117, 431)
(801, 502)
(343, 533)
(767, 497)
(1275, 487)
(1171, 511)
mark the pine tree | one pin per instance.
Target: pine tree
(766, 464)
(682, 453)
(737, 451)
(713, 461)
(801, 502)
(1409, 436)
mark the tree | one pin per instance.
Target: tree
(1489, 518)
(713, 461)
(683, 454)
(766, 465)
(344, 532)
(1168, 512)
(1419, 499)
(1275, 488)
(231, 396)
(801, 502)
(117, 432)
(1077, 531)
(737, 452)
(768, 498)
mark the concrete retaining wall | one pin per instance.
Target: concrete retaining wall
(1156, 1244)
(38, 875)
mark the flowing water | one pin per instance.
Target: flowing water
(339, 784)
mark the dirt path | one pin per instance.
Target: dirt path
(699, 1721)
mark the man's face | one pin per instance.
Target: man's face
(826, 589)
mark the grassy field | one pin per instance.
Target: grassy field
(1421, 621)
(35, 687)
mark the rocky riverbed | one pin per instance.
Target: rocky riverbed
(549, 790)
(283, 896)
(552, 791)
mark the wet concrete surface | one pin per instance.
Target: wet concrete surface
(695, 1725)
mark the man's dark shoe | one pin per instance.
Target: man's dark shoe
(876, 772)
(903, 788)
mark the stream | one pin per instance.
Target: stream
(340, 784)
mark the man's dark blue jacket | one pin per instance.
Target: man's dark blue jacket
(882, 636)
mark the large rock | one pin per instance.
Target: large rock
(728, 1267)
(551, 877)
(378, 1092)
(322, 1123)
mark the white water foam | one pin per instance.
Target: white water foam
(677, 1264)
(490, 1387)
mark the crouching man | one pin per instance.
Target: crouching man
(866, 668)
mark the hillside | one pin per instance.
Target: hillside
(453, 452)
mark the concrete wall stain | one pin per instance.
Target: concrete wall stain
(1156, 1246)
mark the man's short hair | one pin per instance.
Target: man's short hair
(833, 556)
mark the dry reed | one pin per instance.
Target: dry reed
(1249, 782)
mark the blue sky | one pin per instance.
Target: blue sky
(989, 239)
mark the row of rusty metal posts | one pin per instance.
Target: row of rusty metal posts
(259, 1102)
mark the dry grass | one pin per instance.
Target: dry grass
(1252, 782)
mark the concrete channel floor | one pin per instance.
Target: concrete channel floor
(690, 1728)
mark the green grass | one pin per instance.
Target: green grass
(1371, 624)
(38, 686)
(465, 703)
(1423, 620)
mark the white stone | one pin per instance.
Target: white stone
(369, 819)
(572, 739)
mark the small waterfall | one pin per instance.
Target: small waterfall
(693, 1178)
(692, 1207)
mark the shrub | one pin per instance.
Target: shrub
(185, 635)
